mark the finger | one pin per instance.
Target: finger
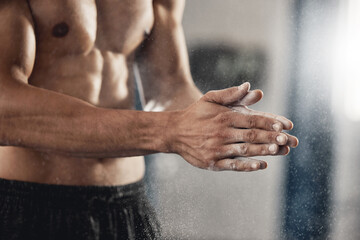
(292, 140)
(229, 95)
(283, 150)
(288, 125)
(248, 150)
(251, 98)
(239, 120)
(257, 136)
(241, 164)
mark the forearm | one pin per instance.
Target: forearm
(163, 61)
(48, 121)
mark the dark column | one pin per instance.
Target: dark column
(308, 186)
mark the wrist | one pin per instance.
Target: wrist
(169, 131)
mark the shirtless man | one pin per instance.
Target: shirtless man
(67, 118)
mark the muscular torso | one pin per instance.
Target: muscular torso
(84, 49)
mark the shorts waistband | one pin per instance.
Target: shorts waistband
(69, 194)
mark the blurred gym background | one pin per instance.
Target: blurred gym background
(303, 55)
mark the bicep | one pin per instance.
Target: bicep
(17, 40)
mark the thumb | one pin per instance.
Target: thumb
(229, 95)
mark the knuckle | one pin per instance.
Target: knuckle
(210, 156)
(222, 118)
(243, 149)
(271, 137)
(251, 121)
(216, 166)
(240, 165)
(211, 162)
(219, 134)
(208, 160)
(226, 137)
(218, 152)
(210, 93)
(209, 96)
(232, 166)
(229, 151)
(212, 166)
(233, 119)
(251, 136)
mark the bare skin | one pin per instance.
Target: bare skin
(66, 96)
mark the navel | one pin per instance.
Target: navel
(60, 30)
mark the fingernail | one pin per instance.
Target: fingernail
(294, 142)
(281, 139)
(273, 148)
(245, 85)
(263, 165)
(277, 127)
(291, 125)
(254, 166)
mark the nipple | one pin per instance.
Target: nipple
(60, 30)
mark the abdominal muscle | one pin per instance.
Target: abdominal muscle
(108, 85)
(31, 166)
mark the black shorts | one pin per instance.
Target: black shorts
(43, 211)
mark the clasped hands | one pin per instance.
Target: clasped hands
(219, 131)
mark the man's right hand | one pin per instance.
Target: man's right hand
(218, 132)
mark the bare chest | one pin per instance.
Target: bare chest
(66, 27)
